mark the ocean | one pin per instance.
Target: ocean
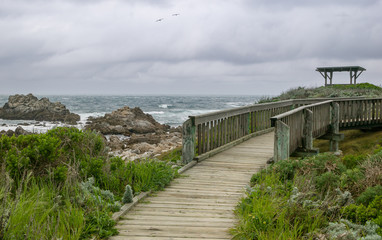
(171, 110)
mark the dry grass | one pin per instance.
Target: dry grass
(355, 142)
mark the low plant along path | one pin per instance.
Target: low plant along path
(199, 204)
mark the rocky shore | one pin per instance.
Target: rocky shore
(129, 132)
(125, 121)
(132, 134)
(144, 145)
(29, 107)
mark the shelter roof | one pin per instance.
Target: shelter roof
(340, 69)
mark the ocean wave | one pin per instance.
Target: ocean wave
(155, 112)
(165, 106)
(237, 104)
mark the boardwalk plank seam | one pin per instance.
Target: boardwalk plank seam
(208, 194)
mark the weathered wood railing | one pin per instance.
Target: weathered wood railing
(297, 128)
(206, 134)
(357, 113)
(306, 119)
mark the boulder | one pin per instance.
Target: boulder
(29, 107)
(18, 131)
(125, 121)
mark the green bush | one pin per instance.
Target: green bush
(361, 214)
(65, 183)
(351, 161)
(351, 177)
(327, 181)
(286, 168)
(369, 195)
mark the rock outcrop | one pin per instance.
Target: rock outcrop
(29, 107)
(18, 131)
(144, 145)
(125, 121)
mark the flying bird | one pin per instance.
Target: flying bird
(175, 14)
(160, 19)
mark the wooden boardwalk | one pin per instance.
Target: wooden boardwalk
(200, 204)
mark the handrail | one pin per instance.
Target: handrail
(203, 134)
(283, 115)
(208, 132)
(297, 128)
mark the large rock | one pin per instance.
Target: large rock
(29, 107)
(126, 121)
(18, 131)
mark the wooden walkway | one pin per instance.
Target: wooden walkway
(200, 204)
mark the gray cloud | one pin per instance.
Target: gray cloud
(227, 47)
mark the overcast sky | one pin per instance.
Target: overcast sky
(256, 47)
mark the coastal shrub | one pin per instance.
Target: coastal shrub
(141, 175)
(60, 173)
(255, 179)
(350, 231)
(172, 156)
(350, 179)
(362, 89)
(38, 211)
(361, 214)
(305, 195)
(287, 168)
(323, 163)
(350, 161)
(272, 209)
(99, 203)
(63, 185)
(128, 195)
(369, 195)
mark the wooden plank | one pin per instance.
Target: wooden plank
(157, 238)
(177, 219)
(161, 231)
(200, 205)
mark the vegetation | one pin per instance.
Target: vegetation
(361, 89)
(356, 142)
(321, 197)
(63, 185)
(171, 156)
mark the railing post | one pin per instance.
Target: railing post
(281, 148)
(334, 125)
(308, 129)
(188, 141)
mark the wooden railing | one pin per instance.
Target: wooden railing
(306, 119)
(297, 128)
(356, 113)
(206, 134)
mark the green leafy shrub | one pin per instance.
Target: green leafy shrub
(369, 195)
(351, 178)
(287, 168)
(60, 173)
(73, 184)
(327, 181)
(361, 214)
(351, 161)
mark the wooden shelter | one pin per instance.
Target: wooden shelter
(327, 73)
